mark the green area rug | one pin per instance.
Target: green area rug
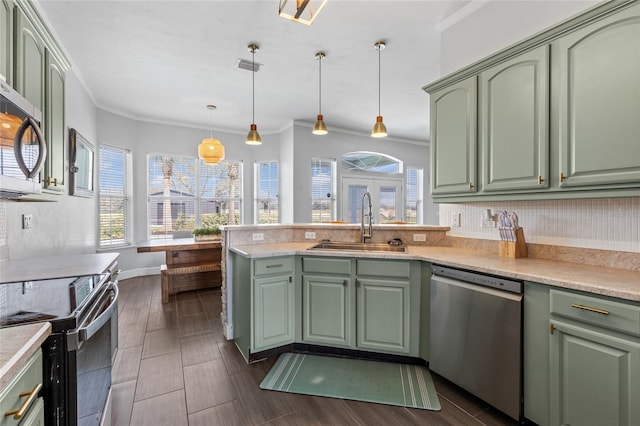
(362, 380)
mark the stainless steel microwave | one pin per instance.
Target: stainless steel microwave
(22, 145)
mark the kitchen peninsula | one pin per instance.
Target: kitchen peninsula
(561, 296)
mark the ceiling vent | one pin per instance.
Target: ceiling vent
(248, 65)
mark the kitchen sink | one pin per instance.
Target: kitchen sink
(344, 246)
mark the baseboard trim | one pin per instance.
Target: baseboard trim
(139, 272)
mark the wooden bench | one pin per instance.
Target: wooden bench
(170, 286)
(189, 265)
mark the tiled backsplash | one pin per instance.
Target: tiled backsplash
(607, 224)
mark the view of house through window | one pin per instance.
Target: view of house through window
(266, 192)
(184, 193)
(114, 197)
(323, 190)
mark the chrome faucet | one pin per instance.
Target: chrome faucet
(369, 233)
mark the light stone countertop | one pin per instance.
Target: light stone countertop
(620, 283)
(17, 344)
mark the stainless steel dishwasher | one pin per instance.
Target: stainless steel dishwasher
(476, 335)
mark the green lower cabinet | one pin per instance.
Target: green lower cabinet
(274, 312)
(595, 376)
(383, 308)
(327, 310)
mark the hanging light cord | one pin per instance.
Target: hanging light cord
(320, 85)
(379, 62)
(253, 86)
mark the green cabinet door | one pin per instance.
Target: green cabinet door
(6, 41)
(30, 61)
(383, 315)
(514, 129)
(327, 310)
(54, 126)
(453, 138)
(535, 335)
(594, 377)
(273, 312)
(599, 102)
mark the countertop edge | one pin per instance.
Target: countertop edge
(621, 283)
(38, 333)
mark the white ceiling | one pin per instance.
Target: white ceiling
(166, 60)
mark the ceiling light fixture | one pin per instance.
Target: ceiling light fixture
(320, 128)
(253, 138)
(211, 150)
(301, 10)
(379, 129)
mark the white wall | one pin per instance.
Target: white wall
(483, 28)
(610, 224)
(69, 225)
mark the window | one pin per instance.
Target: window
(114, 197)
(266, 192)
(184, 193)
(413, 208)
(323, 190)
(363, 161)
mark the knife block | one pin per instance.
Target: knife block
(514, 249)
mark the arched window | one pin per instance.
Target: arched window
(370, 162)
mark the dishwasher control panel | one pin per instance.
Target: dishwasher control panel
(499, 283)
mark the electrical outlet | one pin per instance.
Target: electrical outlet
(455, 220)
(257, 236)
(419, 237)
(27, 221)
(310, 235)
(487, 223)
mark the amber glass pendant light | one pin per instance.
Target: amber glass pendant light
(379, 129)
(320, 128)
(210, 150)
(253, 137)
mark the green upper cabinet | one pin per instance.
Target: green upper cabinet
(6, 41)
(599, 102)
(30, 60)
(514, 130)
(453, 138)
(54, 126)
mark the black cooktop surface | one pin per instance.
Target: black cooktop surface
(54, 300)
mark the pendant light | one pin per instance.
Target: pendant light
(253, 138)
(211, 150)
(320, 128)
(379, 129)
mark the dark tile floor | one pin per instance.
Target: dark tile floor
(174, 367)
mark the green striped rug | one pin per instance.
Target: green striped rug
(371, 381)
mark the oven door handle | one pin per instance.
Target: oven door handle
(97, 318)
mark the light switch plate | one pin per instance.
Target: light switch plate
(310, 235)
(27, 221)
(419, 237)
(257, 236)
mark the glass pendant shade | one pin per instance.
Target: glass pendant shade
(211, 151)
(379, 129)
(320, 128)
(253, 137)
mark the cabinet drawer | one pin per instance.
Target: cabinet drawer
(326, 266)
(273, 265)
(604, 313)
(26, 380)
(384, 268)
